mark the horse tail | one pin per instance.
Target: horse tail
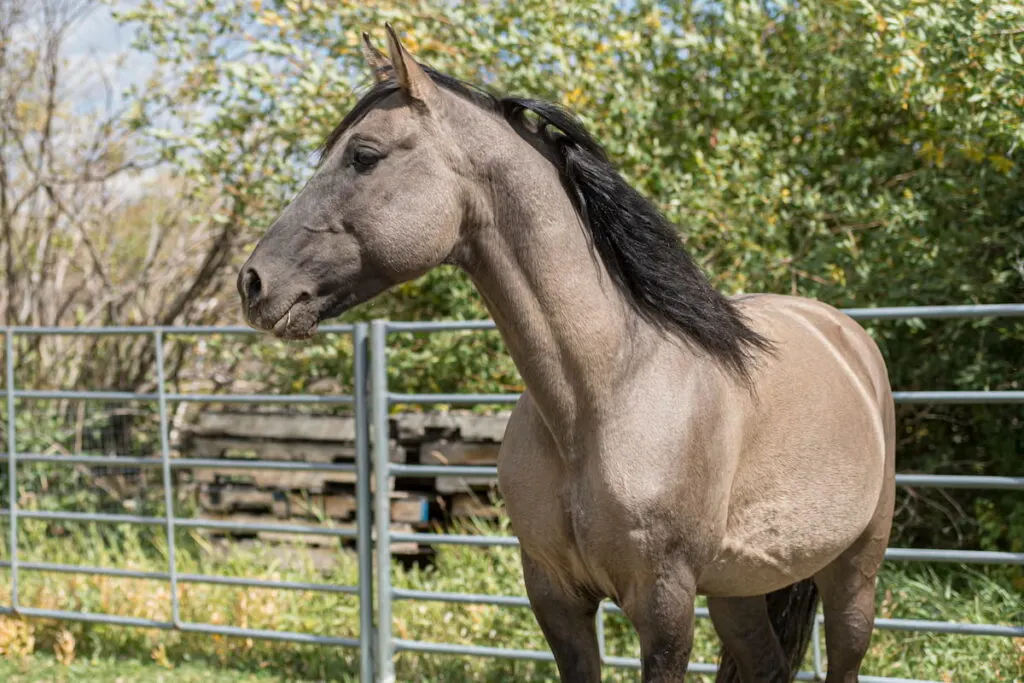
(792, 611)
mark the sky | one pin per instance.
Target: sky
(96, 42)
(93, 49)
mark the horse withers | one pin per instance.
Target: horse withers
(672, 441)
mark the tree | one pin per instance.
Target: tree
(94, 231)
(864, 154)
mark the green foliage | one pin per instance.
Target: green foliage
(52, 428)
(903, 592)
(862, 153)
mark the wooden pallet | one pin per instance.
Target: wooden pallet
(305, 497)
(225, 501)
(445, 452)
(277, 426)
(472, 506)
(277, 437)
(313, 542)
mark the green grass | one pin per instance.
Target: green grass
(32, 650)
(46, 669)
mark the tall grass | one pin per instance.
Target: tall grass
(903, 591)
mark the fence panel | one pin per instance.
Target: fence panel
(361, 468)
(371, 402)
(382, 398)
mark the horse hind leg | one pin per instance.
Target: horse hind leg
(847, 588)
(751, 650)
(765, 637)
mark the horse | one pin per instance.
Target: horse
(672, 441)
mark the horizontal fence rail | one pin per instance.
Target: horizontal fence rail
(362, 533)
(372, 402)
(383, 399)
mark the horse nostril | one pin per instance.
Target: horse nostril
(253, 286)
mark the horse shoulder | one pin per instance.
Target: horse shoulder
(532, 478)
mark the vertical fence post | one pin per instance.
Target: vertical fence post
(601, 649)
(12, 467)
(819, 674)
(382, 504)
(364, 511)
(165, 463)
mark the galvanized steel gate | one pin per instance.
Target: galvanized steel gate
(371, 402)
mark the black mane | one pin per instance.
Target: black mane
(639, 247)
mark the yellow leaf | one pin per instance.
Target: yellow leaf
(159, 655)
(837, 274)
(575, 97)
(64, 647)
(17, 638)
(1001, 163)
(269, 18)
(973, 153)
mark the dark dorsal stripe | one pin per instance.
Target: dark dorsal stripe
(639, 247)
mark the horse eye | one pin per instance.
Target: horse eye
(365, 159)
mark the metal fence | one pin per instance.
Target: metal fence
(372, 401)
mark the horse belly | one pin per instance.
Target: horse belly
(789, 520)
(808, 482)
(797, 503)
(768, 547)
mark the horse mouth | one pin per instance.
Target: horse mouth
(300, 321)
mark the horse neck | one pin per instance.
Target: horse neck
(569, 330)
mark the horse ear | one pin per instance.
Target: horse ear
(410, 75)
(376, 59)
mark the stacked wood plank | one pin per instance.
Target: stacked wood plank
(266, 496)
(456, 439)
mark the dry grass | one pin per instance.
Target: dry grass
(78, 648)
